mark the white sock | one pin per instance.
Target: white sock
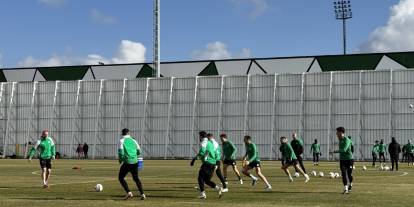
(267, 184)
(346, 187)
(253, 177)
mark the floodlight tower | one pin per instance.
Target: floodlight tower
(156, 39)
(343, 12)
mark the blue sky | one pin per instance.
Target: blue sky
(55, 32)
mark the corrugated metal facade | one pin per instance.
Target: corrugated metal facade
(165, 114)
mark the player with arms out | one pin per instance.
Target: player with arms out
(290, 159)
(128, 153)
(345, 157)
(251, 160)
(229, 157)
(47, 152)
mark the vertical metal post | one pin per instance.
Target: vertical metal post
(360, 117)
(329, 116)
(32, 127)
(2, 116)
(302, 97)
(220, 111)
(246, 107)
(194, 114)
(167, 133)
(54, 110)
(98, 116)
(75, 117)
(143, 123)
(8, 120)
(121, 107)
(272, 122)
(157, 43)
(390, 106)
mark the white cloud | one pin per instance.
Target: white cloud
(397, 34)
(218, 50)
(254, 8)
(102, 18)
(52, 3)
(128, 52)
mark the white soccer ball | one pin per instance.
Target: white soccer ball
(296, 174)
(321, 174)
(386, 168)
(98, 188)
(331, 175)
(364, 167)
(337, 175)
(313, 173)
(411, 106)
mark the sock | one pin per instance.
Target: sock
(253, 177)
(346, 187)
(267, 184)
(239, 177)
(350, 184)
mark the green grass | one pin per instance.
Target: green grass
(171, 183)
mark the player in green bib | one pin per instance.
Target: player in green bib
(229, 157)
(381, 152)
(252, 160)
(290, 159)
(316, 151)
(128, 153)
(217, 150)
(46, 153)
(346, 159)
(410, 150)
(375, 152)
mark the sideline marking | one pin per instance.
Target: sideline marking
(404, 174)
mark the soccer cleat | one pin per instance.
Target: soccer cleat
(225, 190)
(226, 183)
(345, 192)
(350, 188)
(128, 196)
(143, 197)
(241, 182)
(268, 188)
(290, 179)
(220, 192)
(202, 195)
(254, 182)
(307, 178)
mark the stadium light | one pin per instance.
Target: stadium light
(343, 12)
(156, 39)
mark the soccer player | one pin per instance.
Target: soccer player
(297, 145)
(404, 154)
(85, 150)
(316, 151)
(217, 151)
(229, 157)
(47, 152)
(410, 153)
(394, 149)
(289, 156)
(375, 152)
(381, 151)
(207, 155)
(345, 157)
(128, 153)
(79, 151)
(251, 160)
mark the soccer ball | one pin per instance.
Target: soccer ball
(386, 168)
(321, 174)
(364, 167)
(98, 188)
(332, 175)
(337, 175)
(296, 174)
(313, 173)
(411, 106)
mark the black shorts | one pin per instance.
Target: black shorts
(381, 154)
(45, 163)
(254, 164)
(229, 162)
(291, 162)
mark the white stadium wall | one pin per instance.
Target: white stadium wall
(165, 114)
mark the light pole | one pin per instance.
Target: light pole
(156, 39)
(343, 12)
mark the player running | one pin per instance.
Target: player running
(289, 156)
(128, 153)
(316, 152)
(297, 146)
(375, 152)
(217, 151)
(229, 157)
(253, 162)
(47, 152)
(207, 155)
(345, 157)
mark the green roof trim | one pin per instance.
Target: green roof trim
(404, 59)
(145, 72)
(349, 62)
(2, 77)
(210, 69)
(64, 73)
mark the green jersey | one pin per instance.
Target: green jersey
(251, 153)
(287, 152)
(316, 148)
(217, 149)
(128, 150)
(229, 150)
(345, 151)
(382, 148)
(410, 148)
(206, 152)
(375, 148)
(46, 148)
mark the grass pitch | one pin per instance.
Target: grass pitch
(171, 183)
